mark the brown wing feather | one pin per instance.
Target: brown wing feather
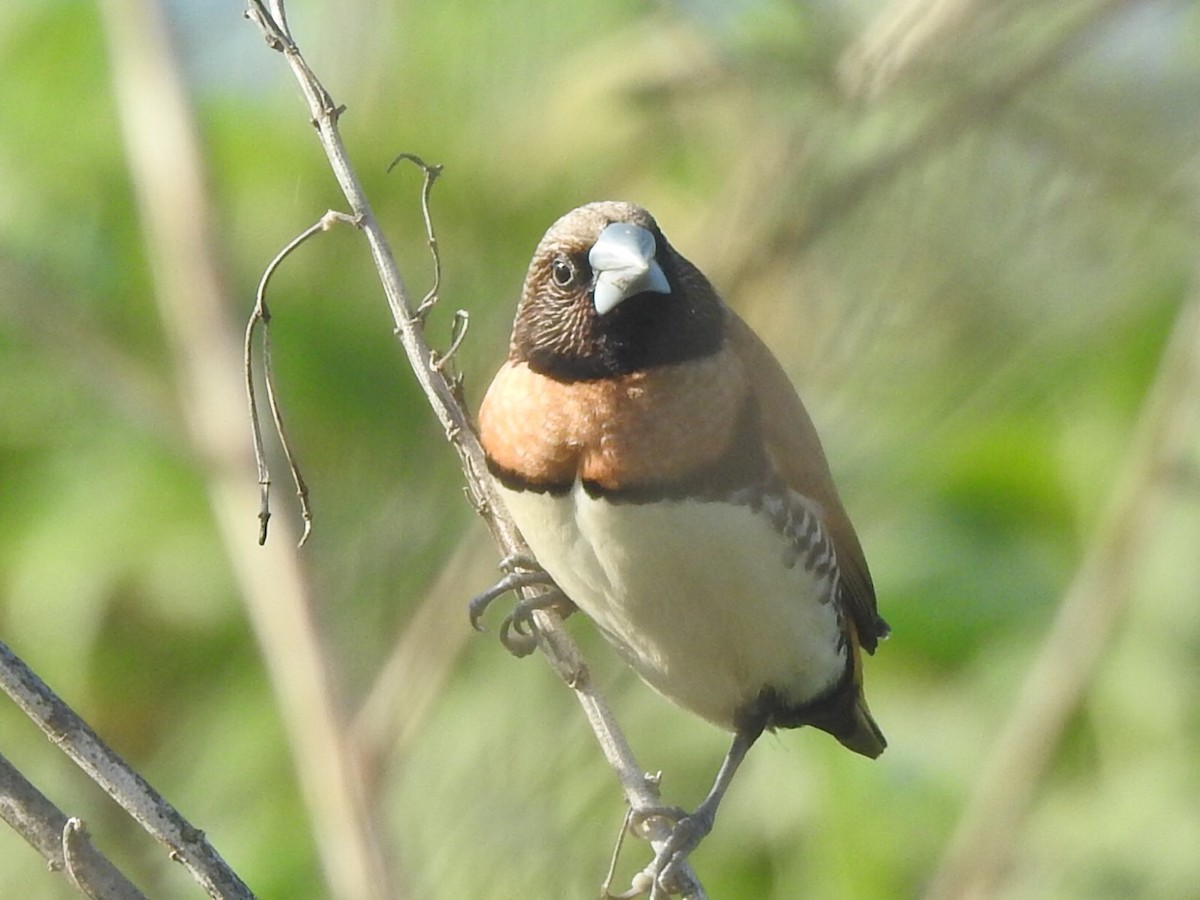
(796, 450)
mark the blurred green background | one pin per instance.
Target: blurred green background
(968, 228)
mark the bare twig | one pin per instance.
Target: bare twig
(261, 316)
(431, 174)
(31, 814)
(458, 331)
(1087, 618)
(554, 641)
(185, 843)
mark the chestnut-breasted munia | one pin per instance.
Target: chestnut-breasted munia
(664, 472)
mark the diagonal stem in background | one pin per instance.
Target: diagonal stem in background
(1083, 628)
(785, 222)
(167, 172)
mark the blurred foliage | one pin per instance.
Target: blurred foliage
(971, 275)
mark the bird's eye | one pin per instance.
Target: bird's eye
(562, 272)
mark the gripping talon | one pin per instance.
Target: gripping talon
(510, 582)
(517, 629)
(685, 837)
(663, 875)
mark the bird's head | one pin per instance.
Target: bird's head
(606, 294)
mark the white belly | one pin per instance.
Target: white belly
(695, 595)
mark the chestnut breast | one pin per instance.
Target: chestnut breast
(620, 433)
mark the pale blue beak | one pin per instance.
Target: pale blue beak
(623, 261)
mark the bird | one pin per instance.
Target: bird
(666, 475)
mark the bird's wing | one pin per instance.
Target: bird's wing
(796, 451)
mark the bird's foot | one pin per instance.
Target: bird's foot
(668, 864)
(516, 631)
(665, 875)
(519, 571)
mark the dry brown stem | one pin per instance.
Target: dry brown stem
(559, 649)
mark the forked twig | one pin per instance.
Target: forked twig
(262, 316)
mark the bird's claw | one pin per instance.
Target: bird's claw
(520, 570)
(516, 631)
(685, 837)
(510, 582)
(664, 876)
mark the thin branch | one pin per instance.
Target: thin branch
(1087, 619)
(431, 174)
(185, 843)
(559, 649)
(458, 331)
